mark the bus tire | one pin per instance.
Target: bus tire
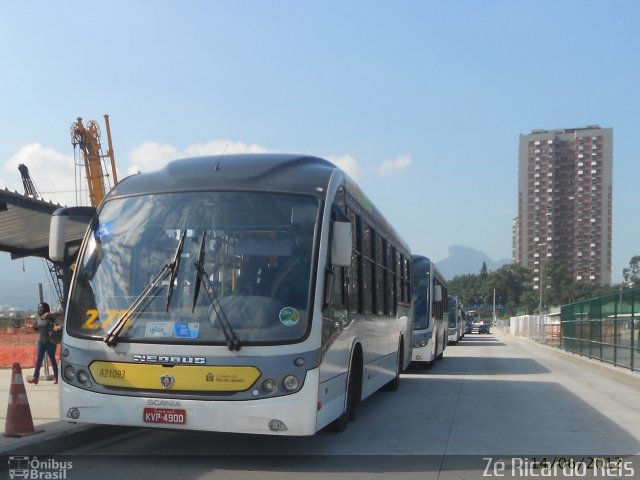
(393, 385)
(435, 354)
(352, 394)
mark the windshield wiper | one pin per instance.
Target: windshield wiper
(231, 337)
(111, 339)
(175, 265)
(197, 282)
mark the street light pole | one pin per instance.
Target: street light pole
(540, 327)
(494, 306)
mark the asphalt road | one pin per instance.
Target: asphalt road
(491, 397)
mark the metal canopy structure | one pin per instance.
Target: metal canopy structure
(24, 225)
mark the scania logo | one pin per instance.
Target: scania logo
(163, 403)
(170, 359)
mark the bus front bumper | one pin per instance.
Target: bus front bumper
(424, 353)
(293, 414)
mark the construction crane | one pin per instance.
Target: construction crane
(27, 183)
(55, 270)
(88, 140)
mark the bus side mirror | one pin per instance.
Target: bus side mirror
(341, 244)
(437, 293)
(64, 234)
(57, 237)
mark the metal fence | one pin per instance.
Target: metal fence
(543, 329)
(605, 328)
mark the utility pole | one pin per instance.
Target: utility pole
(494, 306)
(540, 324)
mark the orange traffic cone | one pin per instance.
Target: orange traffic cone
(19, 422)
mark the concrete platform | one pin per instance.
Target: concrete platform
(44, 406)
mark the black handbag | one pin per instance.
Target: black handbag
(55, 332)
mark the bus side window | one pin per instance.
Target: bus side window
(355, 271)
(340, 279)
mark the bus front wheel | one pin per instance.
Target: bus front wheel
(352, 395)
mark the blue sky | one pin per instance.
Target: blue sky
(421, 101)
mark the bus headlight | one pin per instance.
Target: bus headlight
(291, 383)
(84, 377)
(269, 385)
(69, 373)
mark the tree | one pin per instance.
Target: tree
(483, 271)
(509, 282)
(632, 273)
(515, 289)
(465, 287)
(555, 279)
(530, 301)
(576, 291)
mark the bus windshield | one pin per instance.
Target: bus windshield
(452, 312)
(422, 307)
(452, 318)
(254, 248)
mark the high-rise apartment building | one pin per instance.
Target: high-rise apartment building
(564, 203)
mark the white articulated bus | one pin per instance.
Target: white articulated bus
(246, 293)
(430, 303)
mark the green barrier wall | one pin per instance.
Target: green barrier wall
(605, 328)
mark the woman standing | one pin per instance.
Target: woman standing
(43, 326)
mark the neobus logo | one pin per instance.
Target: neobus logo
(169, 359)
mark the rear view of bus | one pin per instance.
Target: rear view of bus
(198, 298)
